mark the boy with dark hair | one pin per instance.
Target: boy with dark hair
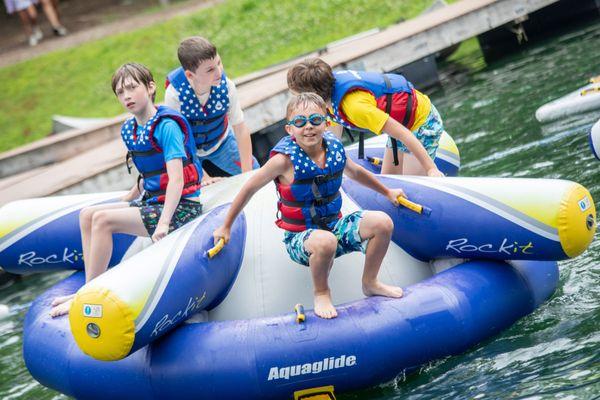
(200, 90)
(159, 143)
(376, 102)
(307, 168)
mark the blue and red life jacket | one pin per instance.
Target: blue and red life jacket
(313, 199)
(209, 122)
(149, 160)
(393, 93)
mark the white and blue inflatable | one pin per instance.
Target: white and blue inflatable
(594, 139)
(483, 256)
(584, 99)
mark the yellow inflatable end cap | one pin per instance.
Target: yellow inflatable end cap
(102, 324)
(448, 144)
(576, 220)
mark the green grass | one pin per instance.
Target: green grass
(250, 35)
(468, 55)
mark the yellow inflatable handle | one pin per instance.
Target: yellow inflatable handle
(593, 89)
(300, 315)
(595, 79)
(418, 208)
(216, 249)
(375, 160)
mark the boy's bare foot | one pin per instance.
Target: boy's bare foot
(61, 299)
(61, 309)
(381, 289)
(324, 306)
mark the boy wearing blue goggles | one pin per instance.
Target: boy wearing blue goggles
(300, 120)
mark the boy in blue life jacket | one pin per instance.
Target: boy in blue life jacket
(307, 168)
(160, 145)
(379, 103)
(201, 91)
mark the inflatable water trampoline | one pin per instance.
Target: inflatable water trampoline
(474, 255)
(584, 99)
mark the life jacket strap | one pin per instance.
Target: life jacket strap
(388, 110)
(361, 145)
(322, 222)
(156, 193)
(206, 144)
(349, 133)
(163, 170)
(145, 153)
(316, 202)
(204, 121)
(128, 162)
(320, 179)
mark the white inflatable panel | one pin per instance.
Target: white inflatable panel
(270, 283)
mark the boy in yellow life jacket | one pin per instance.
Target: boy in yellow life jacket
(380, 103)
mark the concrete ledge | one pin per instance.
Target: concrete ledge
(56, 148)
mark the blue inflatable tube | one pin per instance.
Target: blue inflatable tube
(447, 158)
(490, 220)
(371, 341)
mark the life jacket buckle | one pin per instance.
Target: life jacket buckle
(320, 201)
(320, 179)
(128, 157)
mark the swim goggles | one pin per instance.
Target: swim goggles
(300, 120)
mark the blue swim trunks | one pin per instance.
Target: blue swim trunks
(346, 231)
(428, 134)
(225, 161)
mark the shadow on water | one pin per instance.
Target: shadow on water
(553, 353)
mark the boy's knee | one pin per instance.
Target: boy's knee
(85, 216)
(383, 223)
(101, 220)
(323, 242)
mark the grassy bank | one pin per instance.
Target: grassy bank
(250, 35)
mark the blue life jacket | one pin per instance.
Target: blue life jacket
(150, 162)
(393, 94)
(209, 122)
(313, 199)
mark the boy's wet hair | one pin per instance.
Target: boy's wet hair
(193, 50)
(304, 100)
(138, 72)
(311, 75)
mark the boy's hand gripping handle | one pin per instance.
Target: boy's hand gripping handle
(418, 208)
(216, 249)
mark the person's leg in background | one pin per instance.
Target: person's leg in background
(28, 15)
(50, 8)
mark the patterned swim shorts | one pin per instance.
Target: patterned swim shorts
(186, 211)
(345, 230)
(428, 134)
